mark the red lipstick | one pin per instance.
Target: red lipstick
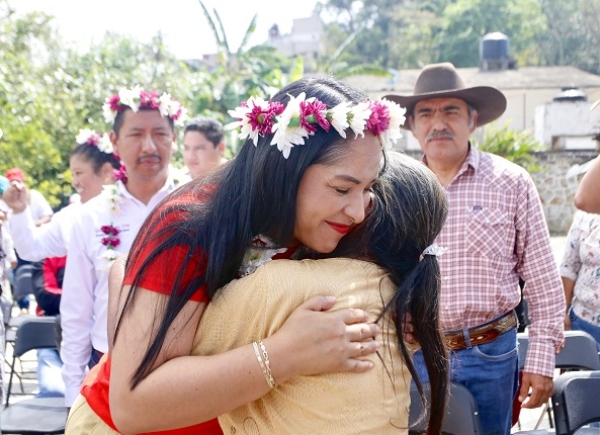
(340, 228)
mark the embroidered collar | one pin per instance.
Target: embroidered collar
(261, 251)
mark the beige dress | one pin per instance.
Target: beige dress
(255, 307)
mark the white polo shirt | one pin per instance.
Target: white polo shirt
(84, 303)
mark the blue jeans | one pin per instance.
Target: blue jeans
(49, 374)
(578, 324)
(491, 373)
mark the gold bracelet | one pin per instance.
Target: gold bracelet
(263, 360)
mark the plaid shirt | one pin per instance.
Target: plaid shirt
(495, 233)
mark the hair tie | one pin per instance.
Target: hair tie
(434, 250)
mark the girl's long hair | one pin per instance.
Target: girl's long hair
(408, 210)
(253, 194)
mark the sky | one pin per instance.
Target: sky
(181, 22)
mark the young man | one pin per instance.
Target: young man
(495, 234)
(142, 135)
(203, 146)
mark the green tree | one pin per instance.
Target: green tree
(572, 34)
(32, 110)
(467, 21)
(514, 146)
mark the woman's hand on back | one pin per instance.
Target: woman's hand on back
(314, 341)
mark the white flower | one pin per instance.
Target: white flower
(164, 104)
(109, 115)
(285, 137)
(107, 258)
(105, 145)
(130, 97)
(397, 117)
(338, 116)
(111, 193)
(84, 135)
(359, 117)
(241, 112)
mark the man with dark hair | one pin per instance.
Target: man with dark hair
(203, 146)
(142, 135)
(495, 234)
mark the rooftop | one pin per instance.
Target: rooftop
(550, 77)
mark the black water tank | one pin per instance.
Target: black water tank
(494, 47)
(570, 93)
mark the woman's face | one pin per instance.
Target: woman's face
(87, 183)
(332, 198)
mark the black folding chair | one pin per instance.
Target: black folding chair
(38, 415)
(575, 404)
(462, 415)
(579, 353)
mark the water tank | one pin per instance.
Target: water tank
(570, 93)
(494, 52)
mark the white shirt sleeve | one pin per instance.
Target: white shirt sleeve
(39, 205)
(36, 243)
(77, 311)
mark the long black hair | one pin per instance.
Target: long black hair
(253, 194)
(97, 158)
(408, 210)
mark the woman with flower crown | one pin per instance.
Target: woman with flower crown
(92, 164)
(300, 183)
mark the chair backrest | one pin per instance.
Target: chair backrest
(575, 400)
(23, 281)
(580, 351)
(462, 415)
(35, 333)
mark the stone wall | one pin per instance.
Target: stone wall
(555, 189)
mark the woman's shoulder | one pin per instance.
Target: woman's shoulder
(340, 267)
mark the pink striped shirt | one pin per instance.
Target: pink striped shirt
(495, 233)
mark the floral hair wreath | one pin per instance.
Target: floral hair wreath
(293, 123)
(138, 98)
(90, 137)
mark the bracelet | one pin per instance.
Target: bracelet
(263, 360)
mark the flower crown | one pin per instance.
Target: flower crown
(90, 137)
(301, 117)
(138, 98)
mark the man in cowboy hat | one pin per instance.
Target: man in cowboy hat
(495, 234)
(587, 197)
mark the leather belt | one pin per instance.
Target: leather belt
(486, 333)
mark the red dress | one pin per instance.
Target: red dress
(157, 278)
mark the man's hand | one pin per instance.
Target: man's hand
(541, 390)
(16, 196)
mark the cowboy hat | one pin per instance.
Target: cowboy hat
(441, 80)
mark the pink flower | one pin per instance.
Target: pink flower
(149, 99)
(262, 119)
(110, 230)
(115, 103)
(312, 112)
(111, 242)
(379, 120)
(120, 174)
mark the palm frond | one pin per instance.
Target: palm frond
(249, 32)
(211, 24)
(223, 34)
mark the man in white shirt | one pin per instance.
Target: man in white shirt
(142, 135)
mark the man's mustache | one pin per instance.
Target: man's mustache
(149, 156)
(439, 134)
